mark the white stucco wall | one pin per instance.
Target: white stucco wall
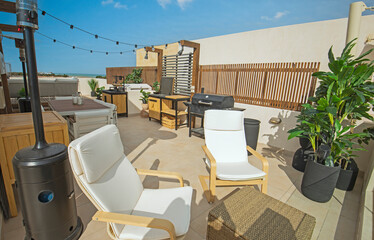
(295, 43)
(274, 135)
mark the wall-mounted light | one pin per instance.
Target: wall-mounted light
(153, 48)
(181, 51)
(146, 55)
(166, 46)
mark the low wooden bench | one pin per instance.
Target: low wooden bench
(249, 214)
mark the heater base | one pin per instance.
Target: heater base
(75, 235)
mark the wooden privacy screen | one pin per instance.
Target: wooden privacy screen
(277, 85)
(149, 74)
(180, 67)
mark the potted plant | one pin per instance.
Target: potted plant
(134, 76)
(93, 85)
(156, 87)
(99, 92)
(144, 99)
(344, 95)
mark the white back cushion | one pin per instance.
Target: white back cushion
(96, 152)
(118, 190)
(225, 120)
(224, 135)
(104, 171)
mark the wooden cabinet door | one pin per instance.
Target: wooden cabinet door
(120, 101)
(154, 107)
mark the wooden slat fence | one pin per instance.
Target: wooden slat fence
(149, 74)
(277, 85)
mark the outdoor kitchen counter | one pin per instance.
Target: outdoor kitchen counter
(164, 109)
(17, 132)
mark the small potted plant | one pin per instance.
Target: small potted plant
(156, 87)
(345, 94)
(144, 99)
(93, 85)
(99, 92)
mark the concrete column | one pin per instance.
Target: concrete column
(354, 22)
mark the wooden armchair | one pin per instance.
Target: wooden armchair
(226, 153)
(113, 185)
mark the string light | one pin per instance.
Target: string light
(44, 13)
(80, 48)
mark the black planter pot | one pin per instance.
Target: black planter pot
(347, 178)
(93, 94)
(319, 181)
(299, 160)
(305, 143)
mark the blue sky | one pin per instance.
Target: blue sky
(153, 22)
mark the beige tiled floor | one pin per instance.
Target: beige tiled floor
(150, 146)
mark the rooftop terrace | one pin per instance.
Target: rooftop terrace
(148, 145)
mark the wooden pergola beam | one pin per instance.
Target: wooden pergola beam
(189, 44)
(196, 60)
(159, 60)
(6, 6)
(10, 28)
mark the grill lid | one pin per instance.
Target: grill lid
(213, 101)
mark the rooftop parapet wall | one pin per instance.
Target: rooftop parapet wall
(308, 42)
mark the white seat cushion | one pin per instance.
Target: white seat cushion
(173, 204)
(237, 171)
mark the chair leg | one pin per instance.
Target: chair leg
(212, 187)
(208, 192)
(264, 185)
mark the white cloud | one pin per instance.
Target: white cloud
(280, 14)
(182, 3)
(277, 16)
(106, 2)
(163, 3)
(120, 6)
(266, 18)
(117, 5)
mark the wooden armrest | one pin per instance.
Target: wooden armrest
(213, 163)
(140, 221)
(265, 163)
(161, 174)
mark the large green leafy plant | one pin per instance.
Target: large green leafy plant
(345, 94)
(134, 76)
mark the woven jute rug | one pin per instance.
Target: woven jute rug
(249, 214)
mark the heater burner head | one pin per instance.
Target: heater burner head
(27, 13)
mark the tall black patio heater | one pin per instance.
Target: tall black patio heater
(24, 102)
(43, 175)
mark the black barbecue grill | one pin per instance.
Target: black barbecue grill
(201, 102)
